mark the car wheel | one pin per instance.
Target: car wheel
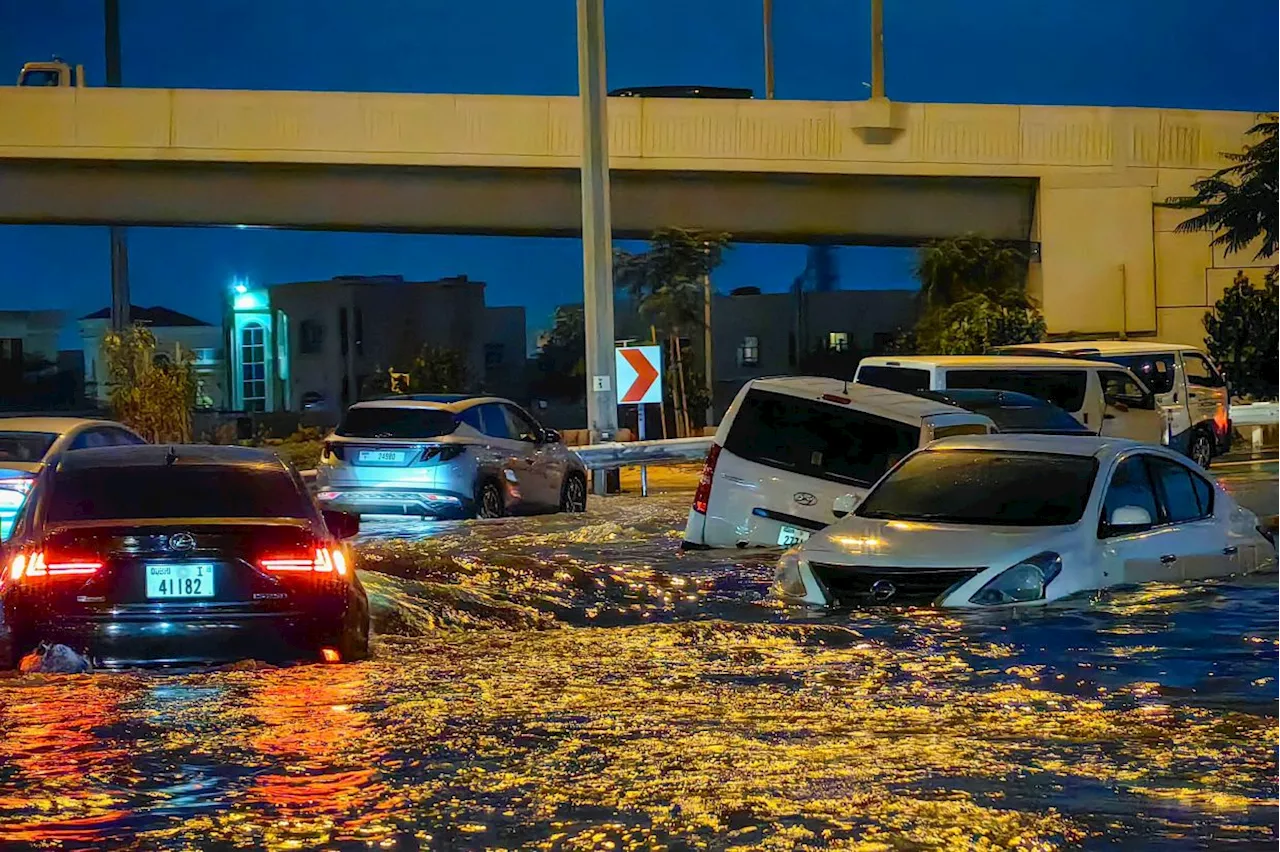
(489, 503)
(1201, 449)
(574, 496)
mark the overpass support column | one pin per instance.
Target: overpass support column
(597, 240)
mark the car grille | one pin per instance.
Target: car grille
(875, 585)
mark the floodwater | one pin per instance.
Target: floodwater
(575, 683)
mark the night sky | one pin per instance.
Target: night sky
(1166, 53)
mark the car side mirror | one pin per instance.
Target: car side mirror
(845, 504)
(342, 525)
(551, 436)
(1130, 519)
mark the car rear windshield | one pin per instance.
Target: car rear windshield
(1063, 388)
(25, 446)
(397, 423)
(986, 487)
(904, 379)
(819, 439)
(175, 491)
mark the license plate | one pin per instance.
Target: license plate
(382, 456)
(188, 580)
(790, 536)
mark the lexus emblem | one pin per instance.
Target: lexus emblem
(804, 498)
(182, 541)
(882, 591)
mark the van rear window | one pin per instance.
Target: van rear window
(903, 379)
(1063, 388)
(823, 440)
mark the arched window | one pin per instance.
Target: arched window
(253, 366)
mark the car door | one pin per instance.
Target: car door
(1134, 554)
(1206, 390)
(536, 465)
(551, 460)
(1130, 410)
(1186, 502)
(504, 456)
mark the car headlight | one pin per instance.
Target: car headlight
(788, 581)
(1021, 583)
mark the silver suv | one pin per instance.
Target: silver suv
(447, 457)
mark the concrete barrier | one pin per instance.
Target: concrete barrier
(1256, 425)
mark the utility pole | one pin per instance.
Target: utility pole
(119, 245)
(877, 49)
(768, 49)
(597, 239)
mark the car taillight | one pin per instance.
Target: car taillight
(442, 453)
(703, 495)
(36, 564)
(332, 450)
(319, 561)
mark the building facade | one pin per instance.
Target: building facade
(177, 336)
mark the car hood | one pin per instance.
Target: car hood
(908, 544)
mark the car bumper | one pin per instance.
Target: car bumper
(427, 503)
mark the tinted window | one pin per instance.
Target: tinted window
(905, 379)
(122, 438)
(818, 439)
(175, 491)
(1204, 494)
(494, 421)
(25, 446)
(1121, 387)
(1063, 388)
(373, 422)
(1200, 372)
(1178, 491)
(471, 417)
(91, 438)
(1130, 486)
(519, 425)
(984, 487)
(1156, 371)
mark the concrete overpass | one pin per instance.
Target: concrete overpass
(1083, 183)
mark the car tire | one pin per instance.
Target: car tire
(573, 496)
(1200, 450)
(489, 502)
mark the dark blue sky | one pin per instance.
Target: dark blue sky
(1172, 53)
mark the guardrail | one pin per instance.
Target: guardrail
(1255, 414)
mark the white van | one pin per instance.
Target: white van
(1107, 398)
(789, 447)
(1187, 385)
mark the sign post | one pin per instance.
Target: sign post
(639, 372)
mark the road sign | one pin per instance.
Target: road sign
(639, 372)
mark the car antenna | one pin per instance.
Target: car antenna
(171, 456)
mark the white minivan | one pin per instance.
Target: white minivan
(788, 448)
(1108, 399)
(1187, 385)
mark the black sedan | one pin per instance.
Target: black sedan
(179, 555)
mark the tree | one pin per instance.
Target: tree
(668, 283)
(1238, 203)
(153, 396)
(561, 360)
(976, 324)
(1241, 335)
(950, 270)
(438, 369)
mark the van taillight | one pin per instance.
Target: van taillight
(703, 495)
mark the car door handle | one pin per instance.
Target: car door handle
(1230, 551)
(1168, 559)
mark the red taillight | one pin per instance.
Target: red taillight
(36, 564)
(703, 494)
(321, 561)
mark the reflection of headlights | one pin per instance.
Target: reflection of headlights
(788, 581)
(1024, 582)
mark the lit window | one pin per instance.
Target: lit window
(838, 341)
(253, 366)
(749, 352)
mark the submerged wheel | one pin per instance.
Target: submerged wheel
(1201, 449)
(574, 495)
(489, 501)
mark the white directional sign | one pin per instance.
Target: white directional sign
(639, 372)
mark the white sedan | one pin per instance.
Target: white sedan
(998, 520)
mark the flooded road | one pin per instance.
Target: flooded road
(575, 683)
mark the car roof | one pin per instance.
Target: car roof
(157, 455)
(445, 402)
(886, 403)
(58, 425)
(1104, 347)
(1064, 445)
(1047, 362)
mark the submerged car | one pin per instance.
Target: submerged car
(30, 444)
(1002, 520)
(448, 457)
(179, 555)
